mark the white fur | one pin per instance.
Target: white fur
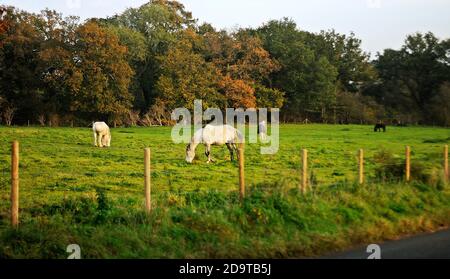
(214, 135)
(262, 128)
(102, 134)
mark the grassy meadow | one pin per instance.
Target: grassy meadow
(71, 192)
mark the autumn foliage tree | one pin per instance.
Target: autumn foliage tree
(186, 76)
(237, 93)
(148, 31)
(85, 69)
(52, 65)
(148, 60)
(239, 55)
(243, 63)
(101, 76)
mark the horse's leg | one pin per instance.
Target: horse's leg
(230, 148)
(99, 140)
(95, 138)
(208, 153)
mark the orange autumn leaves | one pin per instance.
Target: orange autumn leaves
(147, 60)
(238, 93)
(220, 69)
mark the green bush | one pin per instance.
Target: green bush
(389, 168)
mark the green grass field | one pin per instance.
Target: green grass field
(71, 192)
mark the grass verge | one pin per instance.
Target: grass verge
(274, 221)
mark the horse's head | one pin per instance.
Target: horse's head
(190, 154)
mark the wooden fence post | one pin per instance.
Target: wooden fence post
(446, 172)
(361, 166)
(147, 180)
(408, 164)
(241, 171)
(304, 171)
(15, 184)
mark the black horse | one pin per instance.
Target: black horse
(379, 127)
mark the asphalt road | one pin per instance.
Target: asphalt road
(426, 246)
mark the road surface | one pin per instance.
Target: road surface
(426, 246)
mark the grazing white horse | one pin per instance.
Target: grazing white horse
(214, 135)
(262, 130)
(102, 134)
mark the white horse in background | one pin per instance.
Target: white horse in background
(102, 134)
(214, 135)
(262, 130)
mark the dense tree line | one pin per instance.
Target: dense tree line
(136, 67)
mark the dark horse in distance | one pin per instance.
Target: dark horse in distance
(380, 127)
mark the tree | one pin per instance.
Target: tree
(411, 77)
(158, 22)
(237, 93)
(4, 23)
(159, 113)
(152, 59)
(56, 60)
(20, 80)
(345, 54)
(186, 76)
(356, 108)
(137, 57)
(239, 55)
(243, 63)
(101, 76)
(268, 97)
(307, 78)
(439, 106)
(8, 114)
